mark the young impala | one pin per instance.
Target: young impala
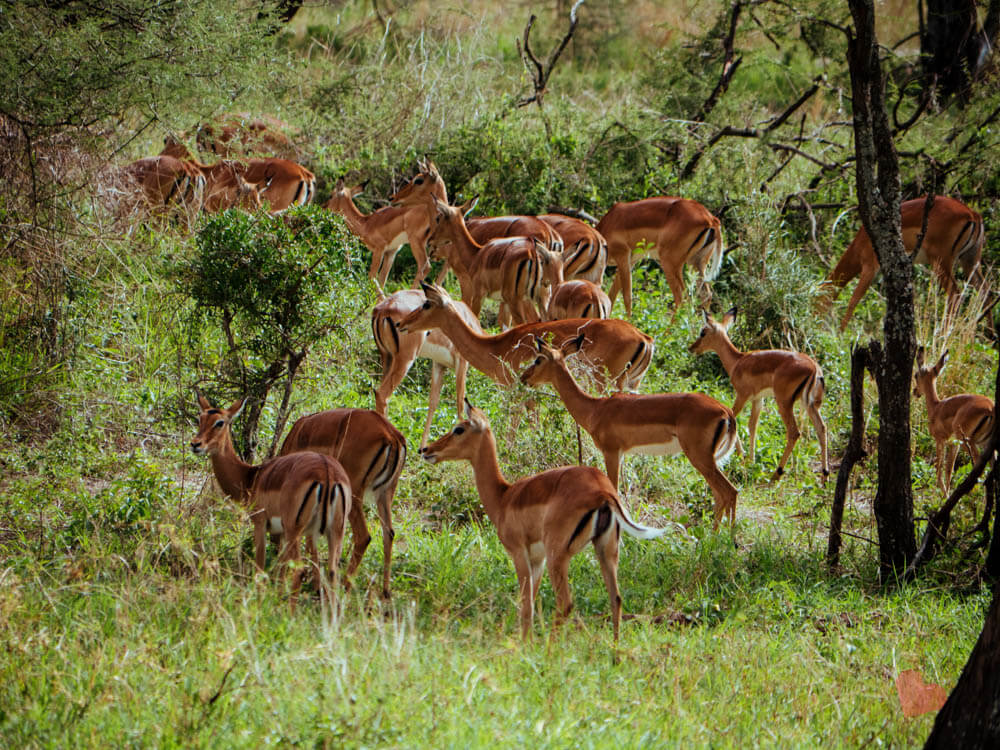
(955, 235)
(372, 453)
(655, 424)
(398, 350)
(544, 519)
(675, 231)
(521, 271)
(304, 494)
(384, 231)
(788, 376)
(966, 417)
(614, 350)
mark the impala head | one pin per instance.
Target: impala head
(552, 266)
(426, 185)
(464, 440)
(429, 315)
(213, 426)
(712, 332)
(173, 147)
(342, 195)
(925, 378)
(543, 368)
(247, 195)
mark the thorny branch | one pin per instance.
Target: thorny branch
(540, 73)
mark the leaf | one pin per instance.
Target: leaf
(917, 698)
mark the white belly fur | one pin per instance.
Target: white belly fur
(671, 448)
(274, 525)
(440, 354)
(398, 241)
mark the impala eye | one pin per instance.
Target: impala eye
(419, 181)
(458, 430)
(427, 305)
(538, 360)
(219, 423)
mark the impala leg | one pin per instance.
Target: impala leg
(385, 265)
(437, 378)
(606, 548)
(523, 571)
(423, 263)
(675, 279)
(460, 373)
(821, 435)
(393, 372)
(359, 530)
(946, 465)
(724, 492)
(335, 543)
(383, 504)
(286, 561)
(612, 459)
(865, 279)
(260, 539)
(559, 575)
(752, 425)
(791, 437)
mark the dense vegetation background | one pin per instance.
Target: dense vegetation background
(127, 604)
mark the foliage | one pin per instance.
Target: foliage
(274, 286)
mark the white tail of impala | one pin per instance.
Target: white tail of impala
(966, 417)
(304, 494)
(544, 519)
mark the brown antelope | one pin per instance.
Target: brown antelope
(166, 180)
(384, 231)
(675, 231)
(579, 298)
(302, 494)
(788, 376)
(955, 235)
(225, 188)
(282, 183)
(521, 271)
(398, 351)
(585, 251)
(372, 453)
(965, 417)
(651, 424)
(544, 519)
(614, 350)
(421, 192)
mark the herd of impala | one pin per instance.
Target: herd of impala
(546, 272)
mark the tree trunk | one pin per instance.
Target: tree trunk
(879, 206)
(971, 717)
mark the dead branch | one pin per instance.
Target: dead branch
(540, 73)
(730, 63)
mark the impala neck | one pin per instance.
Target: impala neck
(355, 220)
(728, 353)
(479, 350)
(465, 247)
(490, 481)
(234, 474)
(929, 390)
(579, 403)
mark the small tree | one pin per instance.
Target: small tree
(274, 286)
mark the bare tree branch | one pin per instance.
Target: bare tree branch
(540, 73)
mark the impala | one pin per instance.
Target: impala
(614, 350)
(585, 251)
(283, 183)
(226, 188)
(372, 453)
(579, 298)
(544, 519)
(421, 192)
(521, 271)
(965, 417)
(788, 376)
(166, 180)
(675, 231)
(398, 350)
(955, 235)
(654, 424)
(384, 231)
(290, 496)
(485, 228)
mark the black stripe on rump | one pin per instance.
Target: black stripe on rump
(985, 418)
(305, 499)
(586, 311)
(604, 518)
(324, 504)
(719, 428)
(371, 467)
(801, 387)
(580, 527)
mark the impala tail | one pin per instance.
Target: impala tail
(969, 250)
(725, 440)
(629, 526)
(714, 264)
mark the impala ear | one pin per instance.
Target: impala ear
(539, 344)
(728, 318)
(941, 363)
(339, 186)
(466, 208)
(236, 409)
(920, 356)
(203, 402)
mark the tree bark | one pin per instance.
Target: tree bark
(879, 205)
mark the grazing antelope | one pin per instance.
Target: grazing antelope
(675, 231)
(585, 251)
(579, 298)
(301, 494)
(788, 376)
(544, 519)
(372, 453)
(398, 351)
(650, 424)
(384, 231)
(521, 271)
(966, 417)
(166, 180)
(614, 350)
(955, 235)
